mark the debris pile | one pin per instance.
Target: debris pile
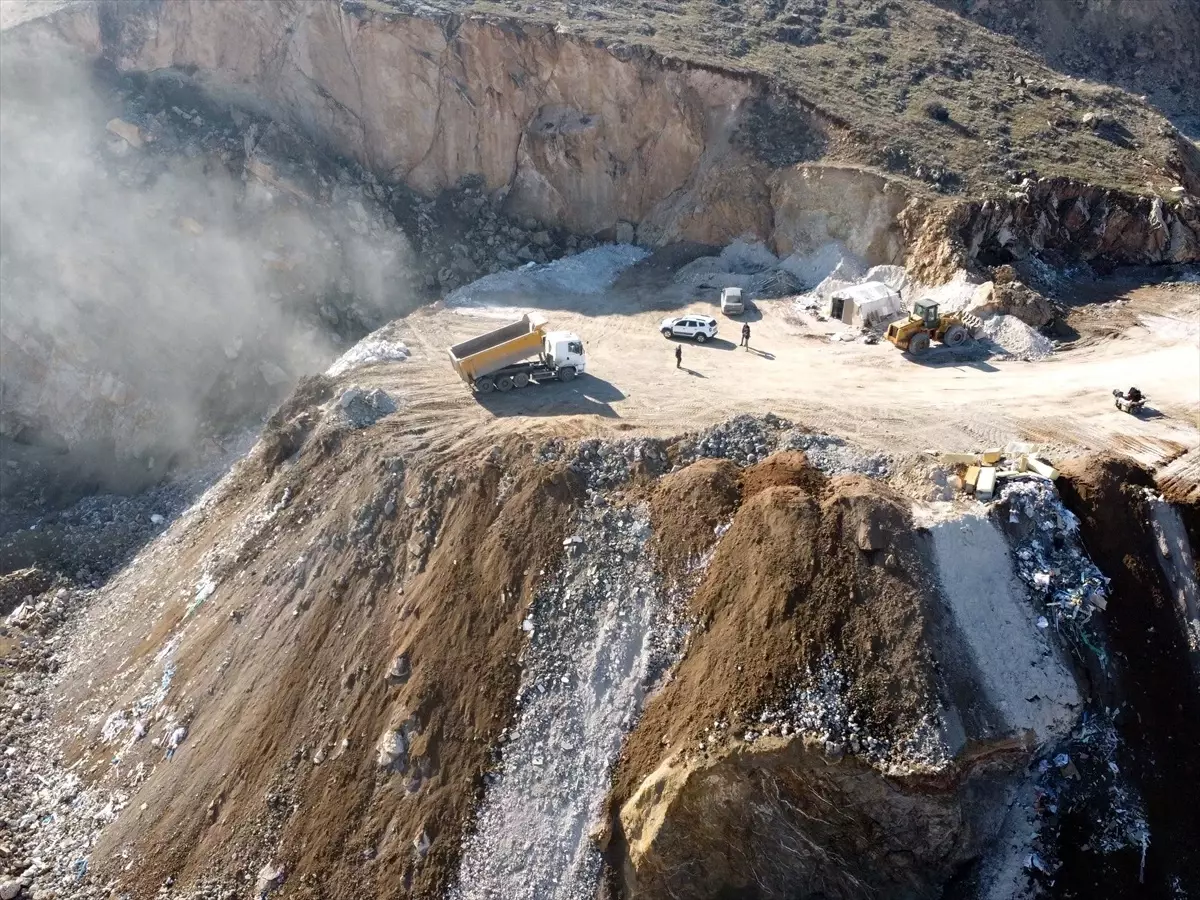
(1011, 338)
(1080, 779)
(1064, 583)
(585, 672)
(837, 456)
(744, 440)
(819, 710)
(978, 474)
(608, 464)
(589, 272)
(364, 408)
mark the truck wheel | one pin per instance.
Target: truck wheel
(504, 384)
(484, 385)
(520, 379)
(701, 337)
(566, 373)
(666, 332)
(955, 336)
(918, 344)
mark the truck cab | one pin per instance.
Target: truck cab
(562, 350)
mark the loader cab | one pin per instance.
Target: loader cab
(927, 312)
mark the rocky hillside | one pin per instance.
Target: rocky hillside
(686, 121)
(1147, 47)
(368, 663)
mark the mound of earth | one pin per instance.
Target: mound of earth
(365, 665)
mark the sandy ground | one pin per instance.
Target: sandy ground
(872, 394)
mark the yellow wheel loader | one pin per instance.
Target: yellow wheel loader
(924, 325)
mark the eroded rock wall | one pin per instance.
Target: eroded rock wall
(573, 134)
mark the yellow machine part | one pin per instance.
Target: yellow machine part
(900, 333)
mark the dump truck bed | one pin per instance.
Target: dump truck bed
(496, 349)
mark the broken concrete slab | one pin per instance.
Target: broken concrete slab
(985, 485)
(1041, 468)
(128, 132)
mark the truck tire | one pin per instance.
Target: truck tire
(567, 373)
(918, 343)
(701, 337)
(521, 379)
(666, 332)
(955, 336)
(484, 385)
(504, 384)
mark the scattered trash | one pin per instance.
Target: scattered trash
(177, 737)
(1033, 861)
(400, 670)
(270, 878)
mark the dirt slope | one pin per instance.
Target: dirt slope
(281, 678)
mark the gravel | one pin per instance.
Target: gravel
(1013, 339)
(585, 674)
(819, 709)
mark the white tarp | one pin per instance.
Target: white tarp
(864, 304)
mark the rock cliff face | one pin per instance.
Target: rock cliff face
(1079, 222)
(573, 134)
(1060, 220)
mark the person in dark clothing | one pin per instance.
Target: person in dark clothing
(678, 356)
(1133, 395)
(746, 335)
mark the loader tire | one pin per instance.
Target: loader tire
(955, 336)
(918, 344)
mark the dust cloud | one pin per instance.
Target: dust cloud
(153, 293)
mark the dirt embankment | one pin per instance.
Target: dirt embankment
(378, 604)
(1154, 677)
(808, 571)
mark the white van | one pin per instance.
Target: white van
(731, 301)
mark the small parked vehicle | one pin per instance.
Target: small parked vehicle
(691, 326)
(731, 301)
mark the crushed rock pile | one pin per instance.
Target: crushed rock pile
(747, 439)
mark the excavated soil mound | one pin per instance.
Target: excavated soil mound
(688, 506)
(801, 584)
(793, 578)
(788, 468)
(374, 628)
(1153, 676)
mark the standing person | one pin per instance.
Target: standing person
(678, 356)
(746, 335)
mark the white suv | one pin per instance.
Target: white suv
(697, 327)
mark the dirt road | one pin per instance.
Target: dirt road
(872, 394)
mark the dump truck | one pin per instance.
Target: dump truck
(517, 354)
(924, 325)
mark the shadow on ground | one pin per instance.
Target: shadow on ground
(586, 395)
